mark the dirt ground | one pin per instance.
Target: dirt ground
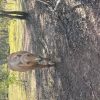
(55, 35)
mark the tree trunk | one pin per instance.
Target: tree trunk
(14, 14)
(69, 30)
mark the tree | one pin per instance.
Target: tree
(68, 29)
(14, 14)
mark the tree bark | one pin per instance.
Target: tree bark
(69, 30)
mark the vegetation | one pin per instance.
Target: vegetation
(68, 29)
(4, 50)
(10, 41)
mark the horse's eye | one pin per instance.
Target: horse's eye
(28, 62)
(29, 55)
(19, 55)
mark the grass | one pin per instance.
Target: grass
(16, 31)
(15, 35)
(15, 28)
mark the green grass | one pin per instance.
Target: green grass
(16, 41)
(15, 28)
(16, 32)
